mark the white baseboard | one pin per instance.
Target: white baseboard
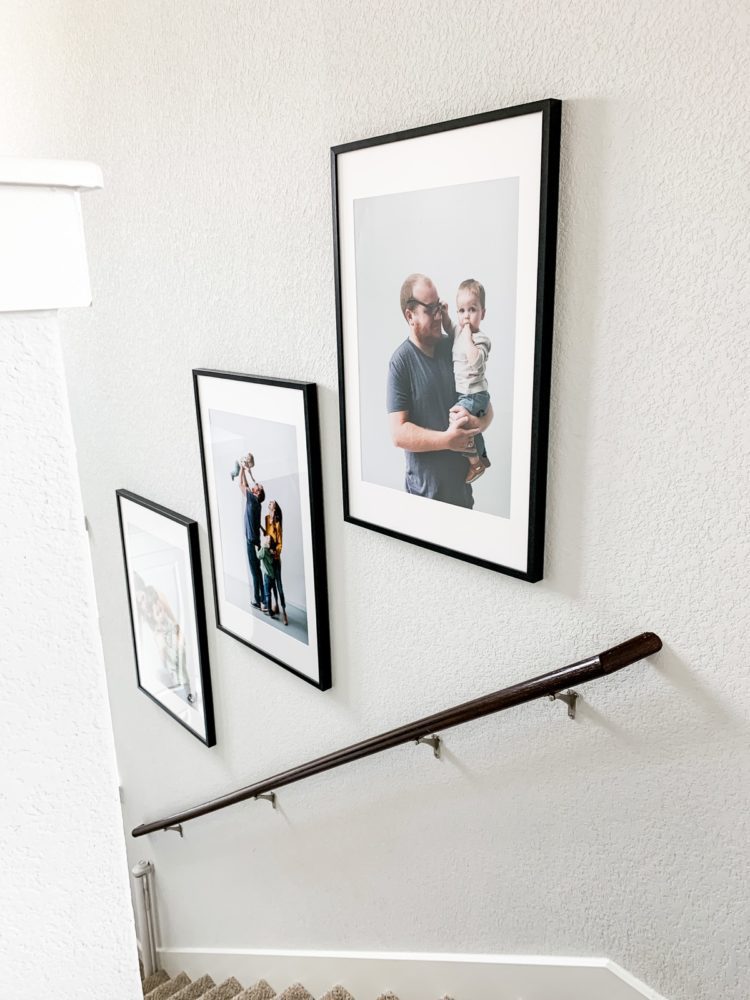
(416, 976)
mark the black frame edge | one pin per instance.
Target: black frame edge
(196, 580)
(543, 345)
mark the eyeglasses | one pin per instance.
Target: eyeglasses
(432, 308)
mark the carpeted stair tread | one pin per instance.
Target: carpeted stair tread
(261, 991)
(227, 990)
(196, 990)
(154, 980)
(169, 988)
(158, 986)
(337, 993)
(295, 992)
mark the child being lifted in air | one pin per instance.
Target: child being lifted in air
(470, 350)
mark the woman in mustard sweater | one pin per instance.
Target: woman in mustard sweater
(274, 529)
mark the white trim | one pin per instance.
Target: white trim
(405, 956)
(77, 174)
(43, 264)
(631, 980)
(417, 975)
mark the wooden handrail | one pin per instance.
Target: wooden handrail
(551, 683)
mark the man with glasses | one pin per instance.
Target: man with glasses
(421, 397)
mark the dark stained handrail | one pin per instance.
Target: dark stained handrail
(604, 663)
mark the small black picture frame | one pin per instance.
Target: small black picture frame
(436, 228)
(162, 559)
(262, 478)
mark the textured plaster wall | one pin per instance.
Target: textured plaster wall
(624, 833)
(34, 56)
(67, 927)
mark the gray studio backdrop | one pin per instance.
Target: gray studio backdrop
(450, 234)
(274, 447)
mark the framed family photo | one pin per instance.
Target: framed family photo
(444, 242)
(167, 613)
(260, 452)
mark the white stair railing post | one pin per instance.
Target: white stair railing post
(143, 905)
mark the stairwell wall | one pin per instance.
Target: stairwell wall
(622, 834)
(66, 928)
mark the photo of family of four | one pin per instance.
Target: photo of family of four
(256, 520)
(438, 399)
(264, 540)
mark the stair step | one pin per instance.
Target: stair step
(227, 990)
(154, 980)
(196, 990)
(295, 992)
(168, 989)
(161, 987)
(261, 991)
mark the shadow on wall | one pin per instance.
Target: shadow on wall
(584, 168)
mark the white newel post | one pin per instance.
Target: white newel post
(66, 928)
(145, 915)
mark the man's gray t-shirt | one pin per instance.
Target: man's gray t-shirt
(424, 388)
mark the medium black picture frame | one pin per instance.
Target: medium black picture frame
(275, 422)
(161, 553)
(390, 196)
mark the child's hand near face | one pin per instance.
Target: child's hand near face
(467, 327)
(467, 331)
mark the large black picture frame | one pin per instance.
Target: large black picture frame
(275, 421)
(161, 552)
(398, 200)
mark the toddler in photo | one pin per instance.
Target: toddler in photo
(264, 553)
(246, 464)
(471, 348)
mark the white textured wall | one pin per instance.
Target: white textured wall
(623, 834)
(34, 62)
(66, 928)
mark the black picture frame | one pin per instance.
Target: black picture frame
(276, 420)
(161, 553)
(369, 195)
